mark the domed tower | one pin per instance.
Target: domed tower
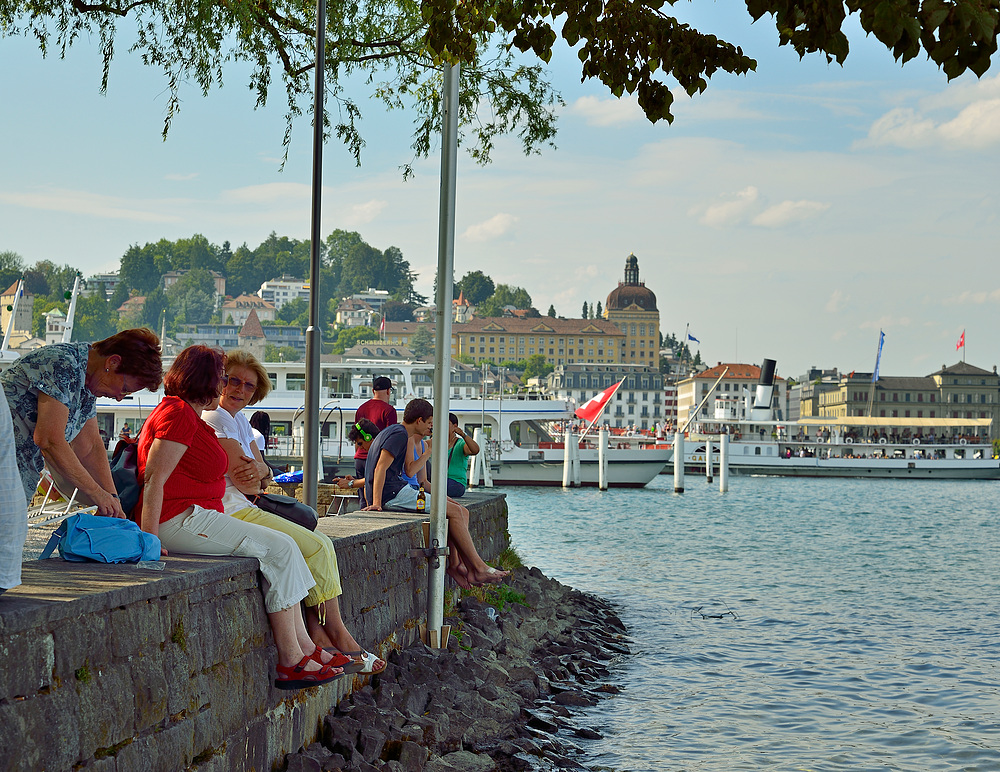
(632, 306)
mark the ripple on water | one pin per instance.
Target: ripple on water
(863, 632)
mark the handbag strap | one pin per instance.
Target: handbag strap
(53, 541)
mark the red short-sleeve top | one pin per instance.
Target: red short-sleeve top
(200, 475)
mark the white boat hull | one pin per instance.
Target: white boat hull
(626, 468)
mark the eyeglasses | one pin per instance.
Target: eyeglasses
(238, 383)
(367, 437)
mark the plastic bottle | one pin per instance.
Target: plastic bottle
(421, 500)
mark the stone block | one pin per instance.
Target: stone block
(82, 641)
(106, 708)
(136, 627)
(27, 661)
(41, 733)
(151, 689)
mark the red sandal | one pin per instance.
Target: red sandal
(338, 660)
(297, 677)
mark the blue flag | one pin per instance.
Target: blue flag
(878, 359)
(692, 337)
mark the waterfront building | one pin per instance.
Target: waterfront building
(803, 397)
(631, 306)
(238, 309)
(226, 336)
(560, 341)
(637, 404)
(957, 391)
(283, 290)
(739, 384)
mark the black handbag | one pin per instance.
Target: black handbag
(125, 473)
(290, 509)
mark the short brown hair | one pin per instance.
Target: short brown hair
(241, 358)
(196, 374)
(139, 350)
(417, 409)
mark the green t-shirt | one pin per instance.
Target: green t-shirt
(457, 466)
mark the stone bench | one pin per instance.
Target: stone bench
(116, 668)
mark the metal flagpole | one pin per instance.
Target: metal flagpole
(442, 358)
(314, 338)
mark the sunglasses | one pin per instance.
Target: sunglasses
(238, 383)
(367, 437)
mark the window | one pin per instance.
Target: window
(492, 339)
(632, 329)
(642, 329)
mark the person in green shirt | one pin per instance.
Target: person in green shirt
(460, 446)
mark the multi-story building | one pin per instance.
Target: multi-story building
(560, 341)
(803, 398)
(376, 298)
(637, 404)
(353, 313)
(226, 336)
(739, 384)
(55, 325)
(107, 280)
(238, 309)
(959, 391)
(632, 307)
(283, 290)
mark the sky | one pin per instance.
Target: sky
(791, 213)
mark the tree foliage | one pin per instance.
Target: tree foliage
(505, 295)
(351, 337)
(360, 267)
(475, 287)
(422, 342)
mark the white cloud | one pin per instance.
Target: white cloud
(730, 212)
(176, 177)
(965, 116)
(491, 229)
(977, 298)
(269, 193)
(788, 212)
(90, 204)
(360, 214)
(607, 112)
(837, 302)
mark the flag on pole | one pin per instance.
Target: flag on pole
(961, 342)
(692, 337)
(592, 409)
(381, 328)
(878, 359)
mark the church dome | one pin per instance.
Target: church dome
(631, 291)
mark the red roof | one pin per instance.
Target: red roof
(736, 371)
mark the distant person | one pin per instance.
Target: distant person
(379, 412)
(386, 489)
(362, 434)
(260, 423)
(460, 447)
(125, 433)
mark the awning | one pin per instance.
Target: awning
(874, 423)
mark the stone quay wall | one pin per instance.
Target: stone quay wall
(120, 669)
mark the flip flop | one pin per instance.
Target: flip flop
(297, 677)
(368, 662)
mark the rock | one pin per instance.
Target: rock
(370, 744)
(461, 761)
(575, 698)
(538, 721)
(588, 734)
(298, 762)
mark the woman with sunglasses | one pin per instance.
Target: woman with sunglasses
(246, 383)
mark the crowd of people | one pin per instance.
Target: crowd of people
(201, 465)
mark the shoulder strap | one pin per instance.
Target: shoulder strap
(53, 541)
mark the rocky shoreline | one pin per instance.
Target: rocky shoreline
(501, 697)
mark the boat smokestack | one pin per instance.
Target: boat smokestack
(765, 393)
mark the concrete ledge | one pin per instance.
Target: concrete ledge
(123, 669)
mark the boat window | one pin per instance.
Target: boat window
(756, 451)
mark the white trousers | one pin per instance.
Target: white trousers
(13, 509)
(200, 531)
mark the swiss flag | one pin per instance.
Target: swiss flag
(961, 341)
(381, 327)
(589, 411)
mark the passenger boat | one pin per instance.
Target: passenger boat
(524, 432)
(854, 446)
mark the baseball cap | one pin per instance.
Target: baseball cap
(381, 384)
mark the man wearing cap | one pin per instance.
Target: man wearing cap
(379, 412)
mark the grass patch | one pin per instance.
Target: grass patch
(496, 595)
(178, 635)
(82, 675)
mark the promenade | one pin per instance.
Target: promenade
(112, 667)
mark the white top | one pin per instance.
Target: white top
(237, 428)
(258, 438)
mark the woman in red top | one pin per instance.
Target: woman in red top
(183, 468)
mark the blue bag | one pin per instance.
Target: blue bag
(85, 537)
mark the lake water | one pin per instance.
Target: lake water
(787, 624)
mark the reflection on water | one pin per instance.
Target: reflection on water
(863, 630)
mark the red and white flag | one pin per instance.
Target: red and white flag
(961, 342)
(381, 327)
(590, 410)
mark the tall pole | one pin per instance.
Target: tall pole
(314, 337)
(442, 358)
